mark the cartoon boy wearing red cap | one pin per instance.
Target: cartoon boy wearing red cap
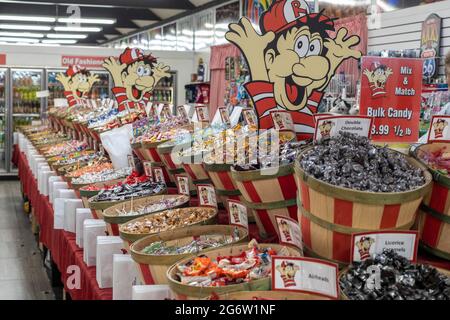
(288, 270)
(135, 75)
(325, 129)
(292, 61)
(77, 83)
(364, 244)
(377, 78)
(439, 127)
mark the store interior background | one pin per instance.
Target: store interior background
(181, 33)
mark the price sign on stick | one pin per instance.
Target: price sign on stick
(250, 117)
(330, 126)
(148, 169)
(202, 113)
(366, 244)
(131, 163)
(225, 116)
(182, 184)
(439, 129)
(391, 91)
(158, 175)
(181, 111)
(305, 275)
(206, 195)
(237, 213)
(282, 120)
(289, 232)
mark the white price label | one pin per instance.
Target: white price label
(206, 195)
(237, 213)
(289, 232)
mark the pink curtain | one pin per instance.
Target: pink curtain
(356, 25)
(217, 67)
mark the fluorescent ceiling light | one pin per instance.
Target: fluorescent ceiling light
(24, 27)
(21, 34)
(84, 20)
(209, 25)
(62, 41)
(26, 18)
(78, 29)
(24, 40)
(66, 36)
(385, 6)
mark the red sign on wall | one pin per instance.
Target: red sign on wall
(391, 93)
(2, 58)
(82, 61)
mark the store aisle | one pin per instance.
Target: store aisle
(22, 275)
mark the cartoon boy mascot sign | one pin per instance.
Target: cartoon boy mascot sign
(77, 83)
(292, 61)
(135, 76)
(288, 270)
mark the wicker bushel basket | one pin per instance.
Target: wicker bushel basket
(267, 295)
(129, 238)
(328, 214)
(153, 268)
(137, 149)
(97, 208)
(434, 214)
(268, 195)
(113, 219)
(188, 292)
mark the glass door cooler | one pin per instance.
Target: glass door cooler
(3, 120)
(54, 87)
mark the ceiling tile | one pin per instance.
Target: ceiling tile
(143, 23)
(166, 13)
(199, 3)
(125, 30)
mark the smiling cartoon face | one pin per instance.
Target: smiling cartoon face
(80, 83)
(138, 79)
(439, 127)
(297, 65)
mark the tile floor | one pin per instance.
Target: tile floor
(22, 275)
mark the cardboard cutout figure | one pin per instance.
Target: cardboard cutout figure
(77, 83)
(292, 62)
(135, 76)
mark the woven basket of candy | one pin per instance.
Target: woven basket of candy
(167, 220)
(213, 272)
(398, 279)
(156, 253)
(347, 185)
(266, 295)
(90, 190)
(120, 193)
(133, 209)
(434, 213)
(168, 157)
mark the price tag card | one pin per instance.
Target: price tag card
(366, 244)
(327, 127)
(237, 213)
(318, 116)
(131, 163)
(181, 111)
(439, 129)
(166, 113)
(289, 232)
(250, 117)
(182, 184)
(305, 275)
(158, 175)
(95, 143)
(202, 113)
(282, 120)
(391, 91)
(148, 168)
(225, 116)
(206, 195)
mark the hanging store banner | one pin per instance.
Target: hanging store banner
(391, 94)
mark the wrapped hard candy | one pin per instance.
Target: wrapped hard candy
(350, 161)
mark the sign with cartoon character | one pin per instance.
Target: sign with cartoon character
(330, 126)
(237, 213)
(207, 195)
(158, 175)
(305, 275)
(282, 120)
(291, 61)
(166, 113)
(148, 168)
(250, 117)
(225, 116)
(289, 232)
(135, 75)
(391, 94)
(182, 184)
(77, 83)
(439, 129)
(202, 113)
(367, 244)
(181, 111)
